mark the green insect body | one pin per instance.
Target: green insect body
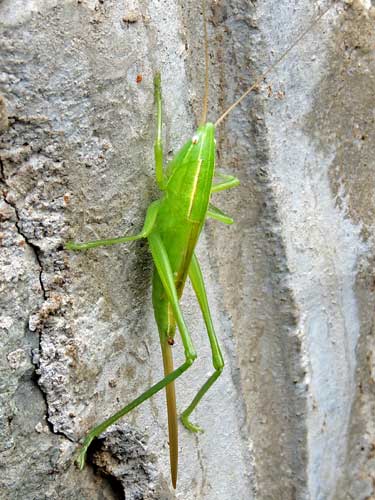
(172, 227)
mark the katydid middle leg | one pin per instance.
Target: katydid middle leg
(148, 225)
(215, 213)
(196, 278)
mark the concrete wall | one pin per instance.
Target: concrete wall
(291, 284)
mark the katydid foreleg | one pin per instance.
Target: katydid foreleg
(158, 146)
(227, 182)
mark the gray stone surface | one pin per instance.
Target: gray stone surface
(291, 284)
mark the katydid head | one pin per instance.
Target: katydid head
(191, 172)
(199, 148)
(203, 138)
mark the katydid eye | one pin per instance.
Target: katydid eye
(195, 139)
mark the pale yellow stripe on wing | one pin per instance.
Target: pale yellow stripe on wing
(194, 187)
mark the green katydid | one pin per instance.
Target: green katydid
(172, 227)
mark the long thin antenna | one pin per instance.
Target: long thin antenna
(259, 80)
(206, 64)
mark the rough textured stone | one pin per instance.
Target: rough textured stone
(291, 284)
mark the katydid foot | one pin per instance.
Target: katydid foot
(191, 427)
(81, 456)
